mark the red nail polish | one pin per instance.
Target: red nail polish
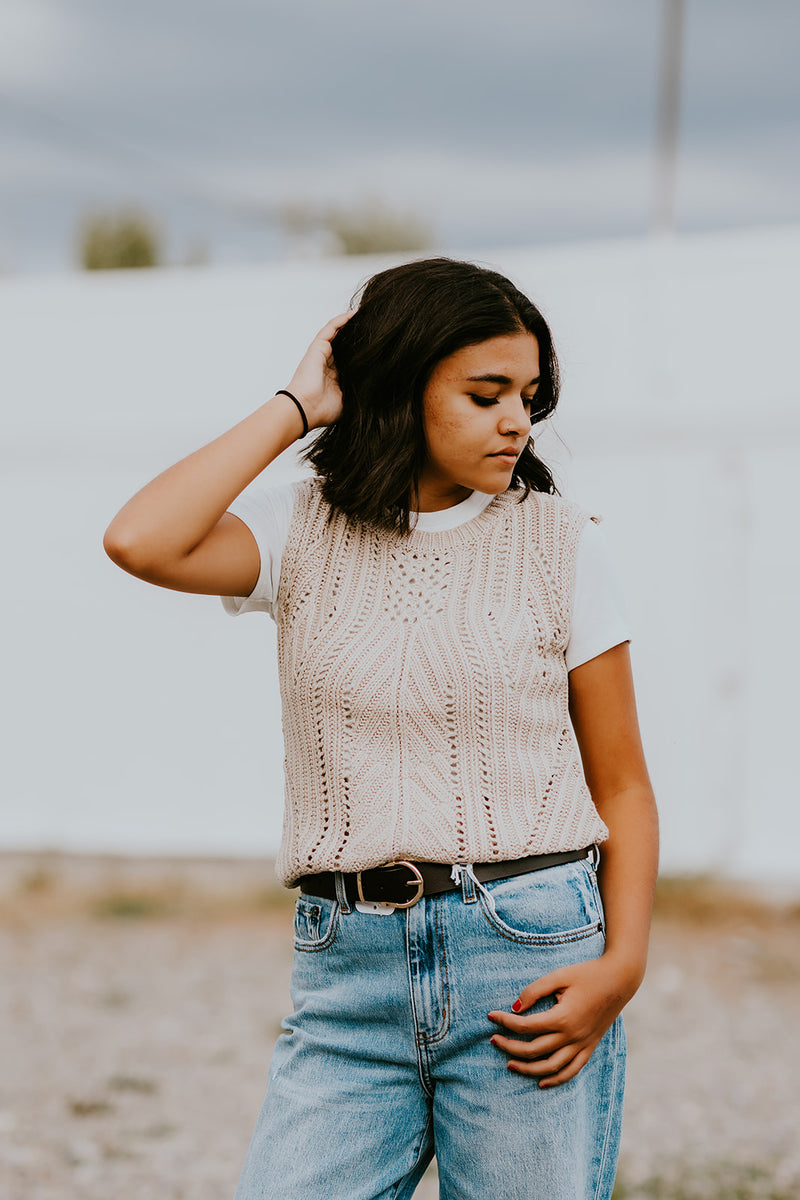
(516, 1006)
(511, 1067)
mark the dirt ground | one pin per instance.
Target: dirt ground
(139, 1000)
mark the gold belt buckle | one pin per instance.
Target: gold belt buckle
(417, 882)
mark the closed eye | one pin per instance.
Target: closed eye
(488, 401)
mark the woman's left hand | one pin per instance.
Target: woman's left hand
(559, 1041)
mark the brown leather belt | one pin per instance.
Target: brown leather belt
(390, 884)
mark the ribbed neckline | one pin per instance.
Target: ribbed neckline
(463, 534)
(468, 531)
(457, 514)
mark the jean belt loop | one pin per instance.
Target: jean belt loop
(341, 892)
(464, 877)
(594, 856)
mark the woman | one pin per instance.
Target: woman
(461, 734)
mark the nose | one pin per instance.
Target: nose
(515, 419)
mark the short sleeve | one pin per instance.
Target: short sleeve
(267, 513)
(598, 616)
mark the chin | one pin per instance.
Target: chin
(500, 482)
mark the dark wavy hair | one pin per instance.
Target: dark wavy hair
(408, 319)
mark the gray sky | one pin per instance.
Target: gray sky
(509, 122)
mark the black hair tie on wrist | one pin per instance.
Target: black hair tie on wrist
(303, 417)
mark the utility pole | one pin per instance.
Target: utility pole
(669, 102)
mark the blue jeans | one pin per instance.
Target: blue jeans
(387, 1058)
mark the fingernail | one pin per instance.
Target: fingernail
(516, 1006)
(493, 1041)
(512, 1067)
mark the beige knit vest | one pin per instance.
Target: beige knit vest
(424, 689)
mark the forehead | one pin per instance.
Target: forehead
(515, 355)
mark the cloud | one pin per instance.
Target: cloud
(38, 44)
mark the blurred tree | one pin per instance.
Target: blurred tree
(366, 228)
(113, 241)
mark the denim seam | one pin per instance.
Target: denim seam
(423, 1139)
(611, 1112)
(419, 1040)
(444, 1025)
(595, 886)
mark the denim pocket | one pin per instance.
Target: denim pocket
(315, 922)
(545, 908)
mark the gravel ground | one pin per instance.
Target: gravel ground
(139, 1000)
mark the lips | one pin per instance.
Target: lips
(511, 454)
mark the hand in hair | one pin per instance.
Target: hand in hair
(314, 383)
(177, 532)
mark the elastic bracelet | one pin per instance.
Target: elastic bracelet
(304, 418)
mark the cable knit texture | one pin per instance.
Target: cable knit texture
(424, 689)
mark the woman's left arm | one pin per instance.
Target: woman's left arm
(590, 995)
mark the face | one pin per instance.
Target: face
(476, 412)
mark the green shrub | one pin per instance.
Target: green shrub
(118, 241)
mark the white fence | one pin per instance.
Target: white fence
(142, 720)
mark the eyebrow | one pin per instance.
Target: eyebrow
(502, 379)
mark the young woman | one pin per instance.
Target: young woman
(461, 735)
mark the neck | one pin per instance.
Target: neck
(432, 499)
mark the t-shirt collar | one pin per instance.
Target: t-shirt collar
(451, 518)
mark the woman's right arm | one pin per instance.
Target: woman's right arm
(176, 532)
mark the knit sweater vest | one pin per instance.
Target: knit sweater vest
(424, 689)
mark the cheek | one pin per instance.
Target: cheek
(443, 429)
(453, 426)
(452, 441)
(456, 420)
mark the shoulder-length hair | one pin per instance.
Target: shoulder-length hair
(408, 319)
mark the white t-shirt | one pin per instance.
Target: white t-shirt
(598, 617)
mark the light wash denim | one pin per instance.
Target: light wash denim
(387, 1057)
